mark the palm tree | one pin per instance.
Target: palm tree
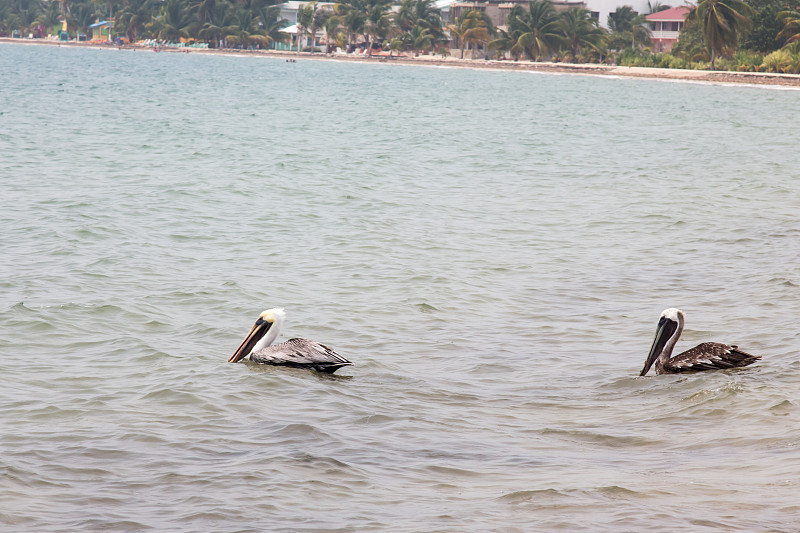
(424, 13)
(656, 6)
(305, 19)
(111, 7)
(421, 14)
(376, 21)
(352, 19)
(505, 43)
(791, 26)
(171, 23)
(723, 21)
(320, 18)
(271, 24)
(367, 17)
(627, 25)
(581, 31)
(80, 17)
(640, 31)
(472, 27)
(245, 30)
(404, 16)
(26, 12)
(621, 20)
(419, 38)
(537, 30)
(204, 9)
(458, 29)
(394, 45)
(479, 33)
(50, 16)
(133, 17)
(332, 33)
(310, 18)
(221, 23)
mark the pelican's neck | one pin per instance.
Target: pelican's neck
(272, 334)
(666, 353)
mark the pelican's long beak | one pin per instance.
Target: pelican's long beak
(664, 331)
(259, 329)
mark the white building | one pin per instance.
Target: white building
(288, 10)
(601, 8)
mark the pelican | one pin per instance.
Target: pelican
(705, 356)
(300, 353)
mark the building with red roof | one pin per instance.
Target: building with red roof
(665, 27)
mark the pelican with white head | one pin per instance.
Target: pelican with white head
(705, 356)
(301, 353)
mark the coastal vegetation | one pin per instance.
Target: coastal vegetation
(738, 35)
(723, 21)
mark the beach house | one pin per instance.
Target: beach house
(665, 27)
(288, 12)
(101, 30)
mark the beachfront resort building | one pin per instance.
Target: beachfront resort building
(498, 10)
(288, 11)
(666, 26)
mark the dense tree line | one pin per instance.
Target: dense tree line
(237, 22)
(733, 32)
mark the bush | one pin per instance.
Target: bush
(665, 60)
(778, 61)
(746, 61)
(793, 47)
(723, 63)
(677, 62)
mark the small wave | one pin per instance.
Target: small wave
(784, 408)
(551, 495)
(528, 495)
(783, 281)
(600, 439)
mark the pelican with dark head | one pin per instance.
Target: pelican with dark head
(705, 356)
(298, 353)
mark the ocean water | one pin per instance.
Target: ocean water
(491, 249)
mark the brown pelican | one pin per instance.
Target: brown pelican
(301, 353)
(705, 356)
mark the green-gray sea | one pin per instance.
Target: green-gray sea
(491, 249)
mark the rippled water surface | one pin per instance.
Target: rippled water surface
(492, 250)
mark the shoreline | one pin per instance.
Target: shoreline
(585, 69)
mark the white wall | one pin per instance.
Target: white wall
(609, 6)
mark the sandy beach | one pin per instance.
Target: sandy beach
(588, 69)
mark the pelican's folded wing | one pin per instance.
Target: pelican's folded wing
(710, 356)
(301, 353)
